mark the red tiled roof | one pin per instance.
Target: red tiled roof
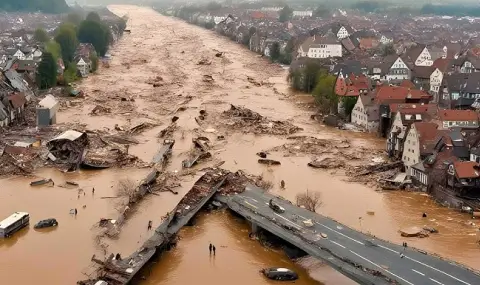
(441, 64)
(407, 83)
(426, 131)
(412, 107)
(397, 93)
(467, 169)
(457, 115)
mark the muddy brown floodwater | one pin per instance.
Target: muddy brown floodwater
(166, 51)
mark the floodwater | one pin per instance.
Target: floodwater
(171, 49)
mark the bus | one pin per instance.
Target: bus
(14, 223)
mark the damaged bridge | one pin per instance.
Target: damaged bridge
(362, 258)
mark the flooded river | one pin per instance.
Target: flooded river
(169, 48)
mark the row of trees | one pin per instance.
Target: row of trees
(68, 35)
(314, 78)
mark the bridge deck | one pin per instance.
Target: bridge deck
(361, 257)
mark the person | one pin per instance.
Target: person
(76, 211)
(424, 215)
(93, 190)
(210, 247)
(282, 184)
(149, 225)
(213, 248)
(270, 203)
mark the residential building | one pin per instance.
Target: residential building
(352, 85)
(320, 47)
(464, 178)
(19, 55)
(341, 31)
(418, 144)
(457, 119)
(16, 106)
(47, 111)
(395, 68)
(302, 14)
(365, 113)
(436, 79)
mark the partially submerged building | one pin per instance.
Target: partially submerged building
(47, 111)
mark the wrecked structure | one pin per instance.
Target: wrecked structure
(68, 148)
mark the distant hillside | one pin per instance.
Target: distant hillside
(45, 6)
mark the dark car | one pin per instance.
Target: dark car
(281, 274)
(46, 224)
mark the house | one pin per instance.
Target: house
(436, 79)
(421, 76)
(464, 178)
(83, 66)
(460, 91)
(405, 116)
(320, 47)
(469, 64)
(19, 55)
(16, 106)
(387, 94)
(457, 119)
(352, 85)
(386, 37)
(365, 113)
(341, 31)
(421, 55)
(418, 144)
(395, 68)
(47, 111)
(302, 14)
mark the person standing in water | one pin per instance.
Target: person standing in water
(213, 248)
(210, 247)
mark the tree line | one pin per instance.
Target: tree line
(74, 30)
(45, 6)
(314, 78)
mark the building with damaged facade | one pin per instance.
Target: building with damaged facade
(47, 111)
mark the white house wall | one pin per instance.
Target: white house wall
(424, 59)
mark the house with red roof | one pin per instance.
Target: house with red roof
(388, 94)
(457, 119)
(352, 85)
(464, 178)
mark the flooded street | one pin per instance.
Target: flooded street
(167, 51)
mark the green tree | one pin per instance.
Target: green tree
(286, 14)
(41, 36)
(94, 60)
(67, 39)
(74, 18)
(95, 33)
(387, 50)
(348, 104)
(275, 51)
(324, 93)
(70, 74)
(54, 48)
(93, 16)
(47, 71)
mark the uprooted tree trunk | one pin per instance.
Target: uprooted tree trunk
(126, 188)
(310, 200)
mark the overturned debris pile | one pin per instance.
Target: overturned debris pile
(68, 147)
(250, 121)
(16, 160)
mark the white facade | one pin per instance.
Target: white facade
(218, 19)
(342, 33)
(424, 59)
(411, 150)
(19, 55)
(324, 51)
(384, 40)
(82, 66)
(463, 124)
(398, 71)
(302, 13)
(396, 126)
(420, 176)
(359, 117)
(474, 157)
(436, 79)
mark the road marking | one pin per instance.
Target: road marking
(418, 272)
(381, 267)
(337, 244)
(254, 200)
(359, 242)
(302, 217)
(436, 281)
(298, 226)
(246, 202)
(388, 249)
(453, 277)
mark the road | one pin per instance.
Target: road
(406, 266)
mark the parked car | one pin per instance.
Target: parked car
(46, 224)
(281, 274)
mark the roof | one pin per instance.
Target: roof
(397, 93)
(407, 83)
(457, 115)
(17, 100)
(48, 102)
(70, 135)
(466, 169)
(426, 132)
(423, 71)
(3, 112)
(12, 219)
(443, 64)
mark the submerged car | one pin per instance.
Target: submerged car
(46, 224)
(281, 274)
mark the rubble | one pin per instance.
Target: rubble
(414, 232)
(208, 78)
(327, 163)
(99, 110)
(168, 131)
(204, 61)
(140, 128)
(253, 81)
(268, 161)
(69, 148)
(244, 118)
(194, 158)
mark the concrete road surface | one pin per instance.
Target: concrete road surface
(405, 265)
